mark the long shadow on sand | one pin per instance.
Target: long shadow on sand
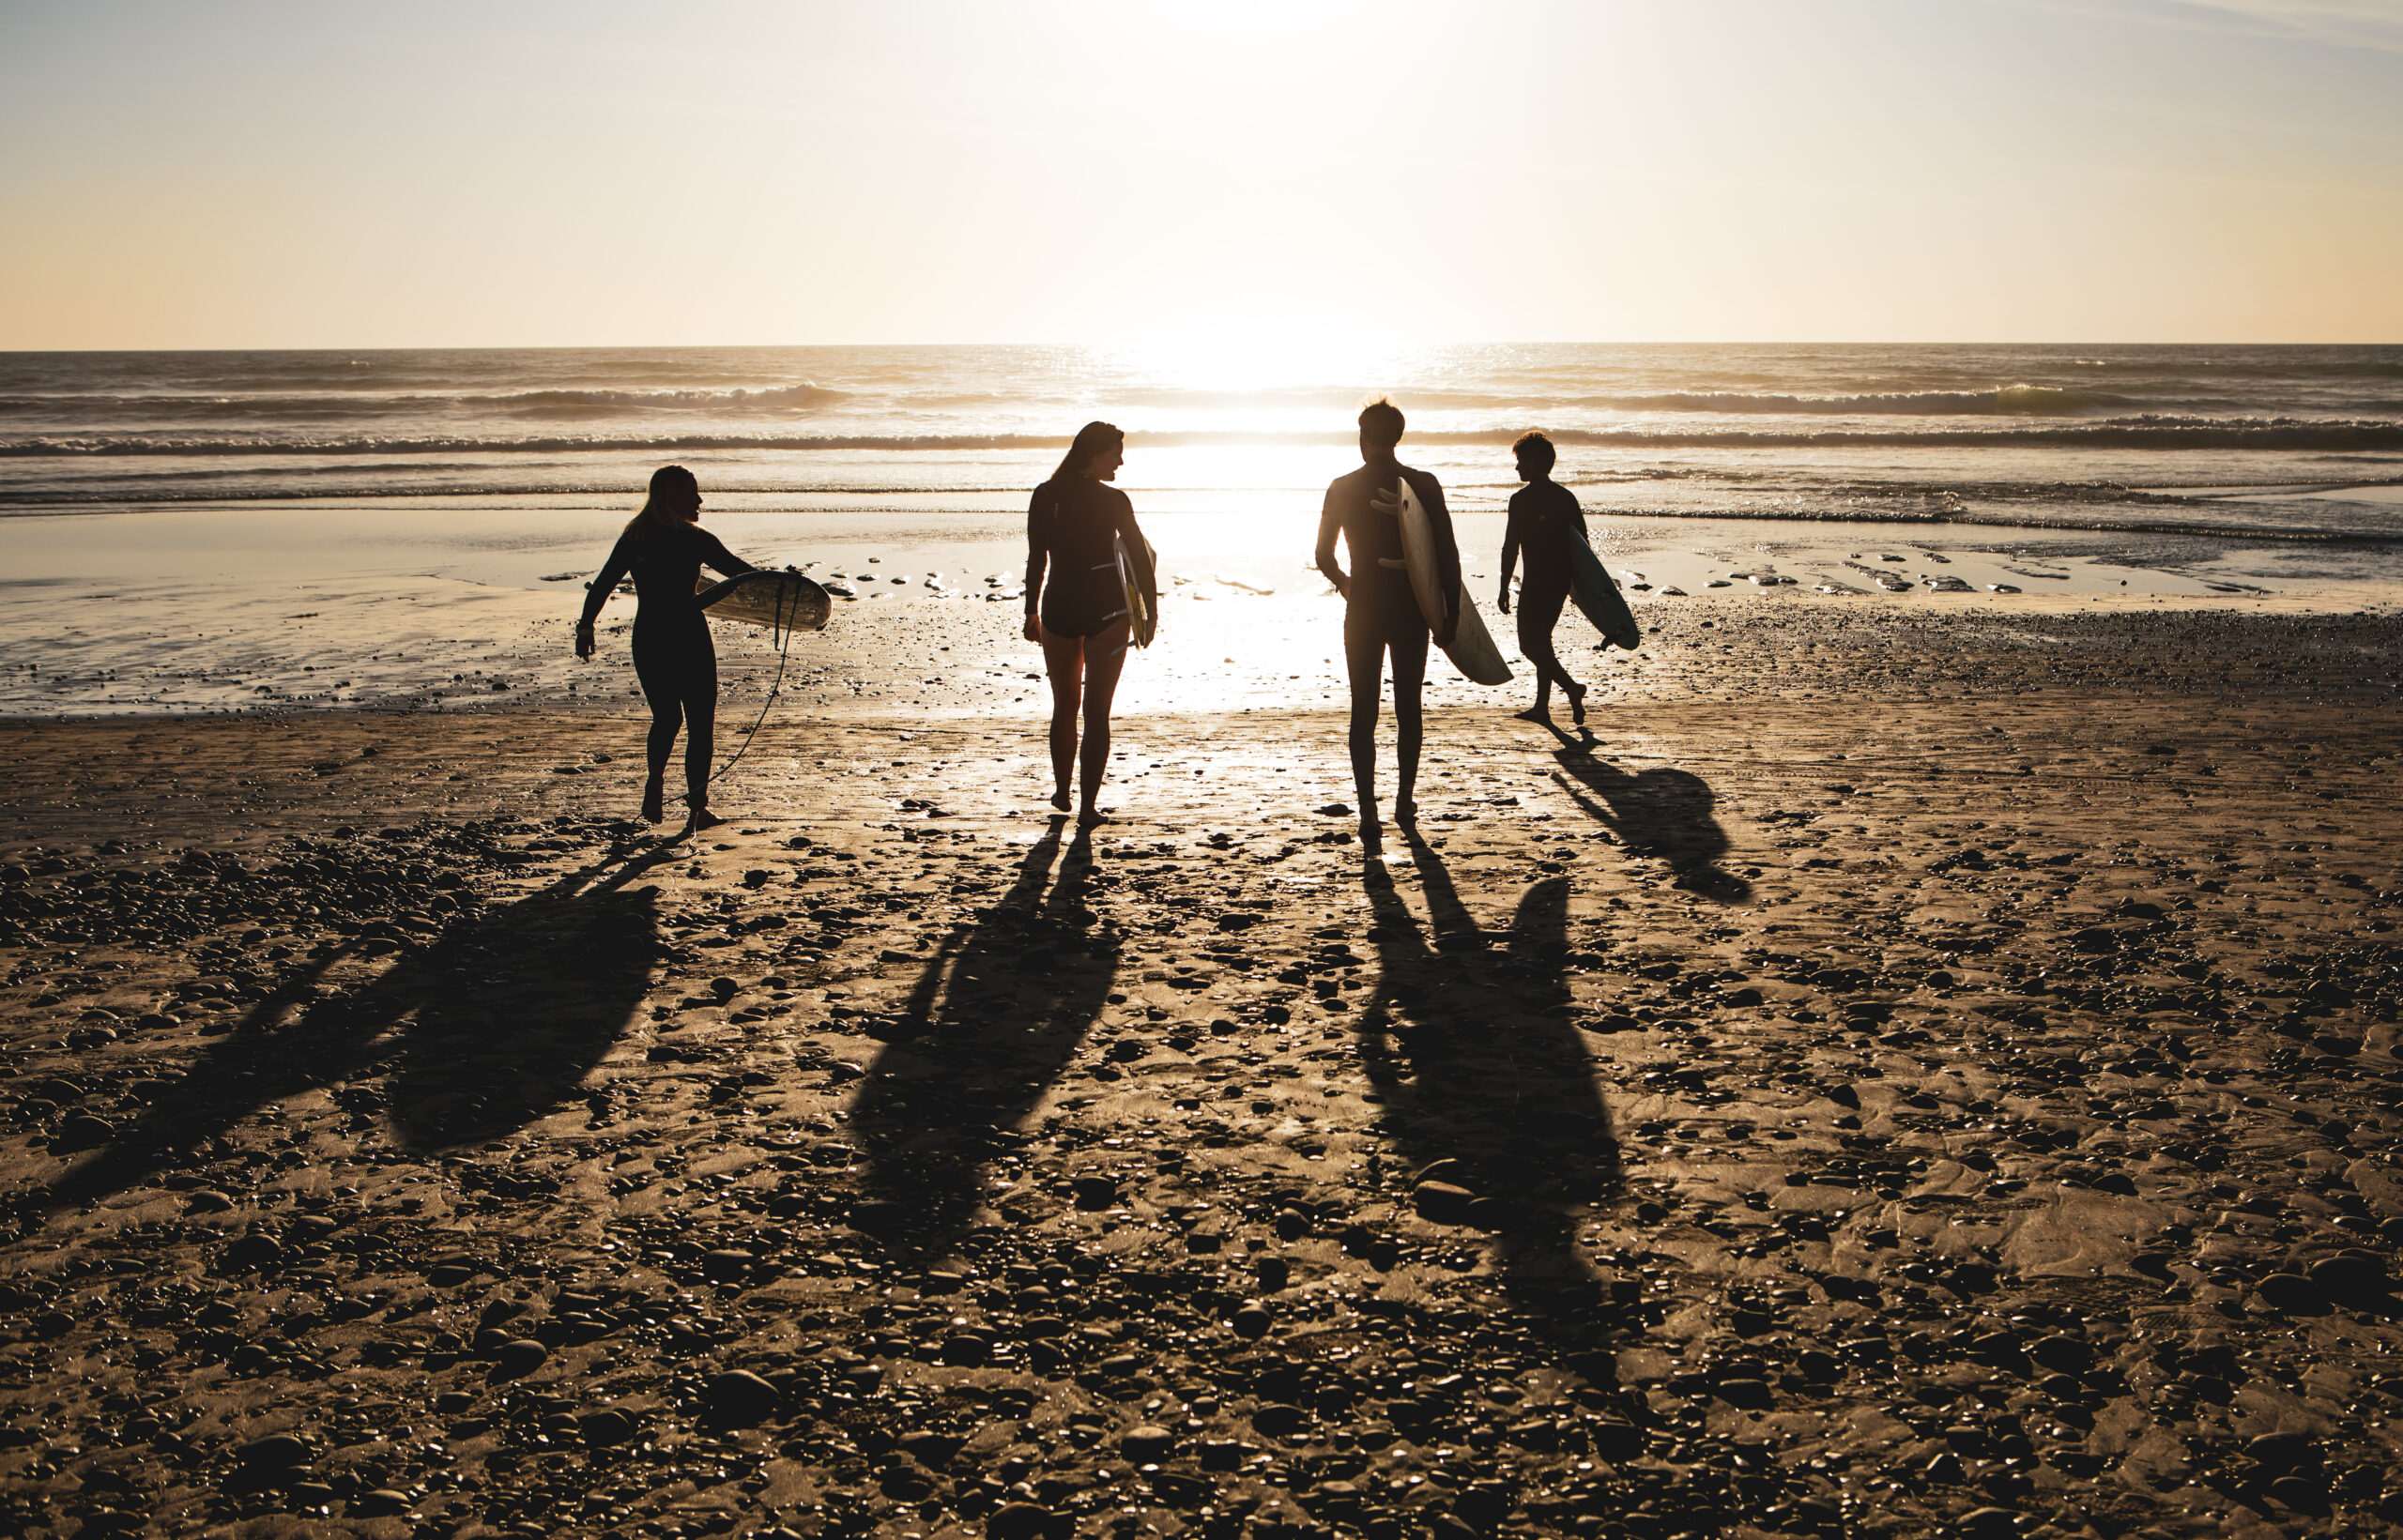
(1662, 812)
(1468, 1040)
(494, 1025)
(995, 1017)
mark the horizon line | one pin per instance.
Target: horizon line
(1104, 348)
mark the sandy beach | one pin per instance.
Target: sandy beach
(1910, 1073)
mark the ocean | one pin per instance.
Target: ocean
(2268, 441)
(238, 531)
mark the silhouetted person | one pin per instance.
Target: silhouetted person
(664, 547)
(1544, 521)
(1073, 525)
(1381, 613)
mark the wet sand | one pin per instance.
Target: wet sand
(1908, 1075)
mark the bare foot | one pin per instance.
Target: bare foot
(654, 801)
(1535, 713)
(1405, 812)
(1091, 816)
(701, 819)
(1577, 706)
(1060, 800)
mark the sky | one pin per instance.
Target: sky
(1214, 174)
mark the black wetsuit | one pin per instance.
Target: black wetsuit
(1381, 613)
(1545, 522)
(1380, 605)
(673, 656)
(1070, 528)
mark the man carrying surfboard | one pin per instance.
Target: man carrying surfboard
(1381, 610)
(1545, 522)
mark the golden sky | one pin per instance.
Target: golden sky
(301, 175)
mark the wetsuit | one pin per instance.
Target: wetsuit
(1381, 612)
(1070, 528)
(1545, 520)
(673, 655)
(1381, 608)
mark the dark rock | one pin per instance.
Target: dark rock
(1148, 1444)
(2064, 1354)
(383, 1502)
(726, 1265)
(1277, 1419)
(82, 1131)
(931, 1449)
(1095, 1192)
(1743, 1392)
(1443, 1202)
(255, 1250)
(1252, 1320)
(1027, 1522)
(2282, 1453)
(2355, 1277)
(605, 1428)
(275, 1453)
(2291, 1294)
(517, 1357)
(739, 1398)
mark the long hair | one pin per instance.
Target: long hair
(1090, 441)
(652, 519)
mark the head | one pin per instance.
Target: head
(1535, 456)
(675, 497)
(1099, 450)
(1380, 429)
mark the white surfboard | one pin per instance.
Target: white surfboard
(1470, 649)
(779, 601)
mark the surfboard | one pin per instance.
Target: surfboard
(1137, 575)
(1470, 649)
(1598, 599)
(779, 601)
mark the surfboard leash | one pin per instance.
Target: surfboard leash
(775, 687)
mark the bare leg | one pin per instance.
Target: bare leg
(1364, 655)
(1105, 657)
(1064, 660)
(1409, 677)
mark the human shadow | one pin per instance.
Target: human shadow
(1662, 812)
(493, 1025)
(995, 1017)
(1468, 1040)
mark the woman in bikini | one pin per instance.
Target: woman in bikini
(1076, 603)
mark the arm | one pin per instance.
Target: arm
(1037, 550)
(1139, 548)
(714, 555)
(1510, 541)
(597, 593)
(1328, 525)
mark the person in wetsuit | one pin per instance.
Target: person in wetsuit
(1544, 520)
(664, 548)
(1381, 613)
(1075, 604)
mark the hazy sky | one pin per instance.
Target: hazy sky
(226, 175)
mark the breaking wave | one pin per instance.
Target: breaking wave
(2149, 431)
